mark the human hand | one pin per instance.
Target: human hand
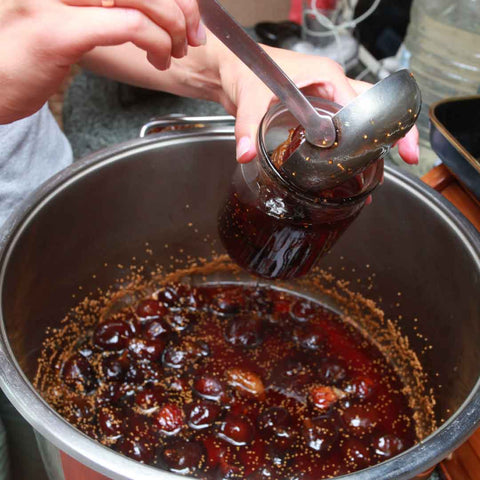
(246, 97)
(41, 40)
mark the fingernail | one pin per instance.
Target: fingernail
(201, 34)
(243, 147)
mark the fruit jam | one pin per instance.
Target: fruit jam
(230, 381)
(273, 230)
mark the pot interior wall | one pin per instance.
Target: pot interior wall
(111, 210)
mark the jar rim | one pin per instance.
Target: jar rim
(326, 106)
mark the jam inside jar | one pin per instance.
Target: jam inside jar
(268, 226)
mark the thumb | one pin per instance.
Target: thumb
(251, 108)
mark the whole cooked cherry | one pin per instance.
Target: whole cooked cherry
(149, 400)
(310, 337)
(276, 420)
(183, 457)
(109, 393)
(303, 310)
(356, 453)
(229, 301)
(176, 385)
(111, 422)
(156, 329)
(113, 335)
(114, 367)
(79, 409)
(184, 353)
(168, 296)
(179, 321)
(191, 298)
(359, 418)
(320, 433)
(261, 302)
(78, 374)
(169, 419)
(332, 372)
(221, 457)
(150, 309)
(144, 349)
(362, 387)
(387, 445)
(244, 331)
(209, 387)
(140, 449)
(135, 374)
(237, 430)
(279, 457)
(202, 414)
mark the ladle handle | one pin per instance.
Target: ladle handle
(319, 128)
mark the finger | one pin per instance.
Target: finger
(408, 147)
(359, 86)
(165, 13)
(252, 105)
(196, 33)
(82, 29)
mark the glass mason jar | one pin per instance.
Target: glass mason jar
(271, 228)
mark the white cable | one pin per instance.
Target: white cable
(326, 22)
(331, 28)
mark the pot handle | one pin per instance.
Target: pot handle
(180, 122)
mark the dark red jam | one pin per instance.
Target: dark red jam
(232, 382)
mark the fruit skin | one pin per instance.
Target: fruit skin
(78, 374)
(183, 457)
(387, 445)
(236, 430)
(245, 381)
(209, 387)
(323, 397)
(244, 331)
(359, 419)
(320, 433)
(112, 335)
(202, 414)
(170, 419)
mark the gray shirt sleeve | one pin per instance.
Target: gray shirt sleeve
(31, 151)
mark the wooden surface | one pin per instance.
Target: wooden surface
(464, 463)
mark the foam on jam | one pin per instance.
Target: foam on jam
(230, 381)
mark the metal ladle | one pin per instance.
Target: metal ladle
(319, 128)
(358, 134)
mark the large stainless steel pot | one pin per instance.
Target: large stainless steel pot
(107, 206)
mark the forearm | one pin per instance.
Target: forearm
(197, 75)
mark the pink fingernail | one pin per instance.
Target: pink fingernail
(243, 147)
(417, 152)
(201, 34)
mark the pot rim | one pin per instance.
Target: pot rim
(58, 431)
